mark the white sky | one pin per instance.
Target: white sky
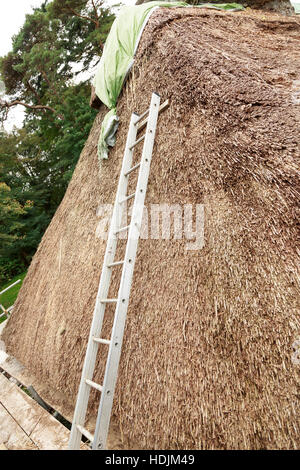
(12, 15)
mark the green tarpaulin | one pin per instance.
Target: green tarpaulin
(118, 57)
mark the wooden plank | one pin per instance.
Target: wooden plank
(26, 423)
(53, 398)
(5, 385)
(50, 434)
(38, 425)
(23, 408)
(12, 437)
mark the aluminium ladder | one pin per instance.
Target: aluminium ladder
(98, 440)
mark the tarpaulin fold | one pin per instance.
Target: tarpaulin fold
(118, 58)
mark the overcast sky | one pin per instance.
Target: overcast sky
(12, 15)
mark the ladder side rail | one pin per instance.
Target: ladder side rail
(95, 331)
(110, 379)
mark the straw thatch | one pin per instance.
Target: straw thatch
(280, 6)
(206, 361)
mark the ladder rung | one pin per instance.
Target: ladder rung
(107, 301)
(116, 263)
(141, 116)
(122, 229)
(143, 124)
(85, 432)
(101, 341)
(126, 198)
(132, 169)
(137, 141)
(94, 385)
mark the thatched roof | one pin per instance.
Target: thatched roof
(206, 361)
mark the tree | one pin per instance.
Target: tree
(38, 70)
(30, 70)
(37, 161)
(10, 231)
(88, 20)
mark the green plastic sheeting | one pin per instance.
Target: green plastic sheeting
(118, 57)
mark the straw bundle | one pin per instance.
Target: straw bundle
(206, 359)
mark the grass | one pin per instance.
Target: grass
(8, 298)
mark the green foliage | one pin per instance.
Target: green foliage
(39, 68)
(10, 212)
(36, 164)
(37, 161)
(8, 268)
(9, 297)
(86, 24)
(30, 70)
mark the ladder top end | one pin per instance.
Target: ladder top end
(137, 114)
(155, 93)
